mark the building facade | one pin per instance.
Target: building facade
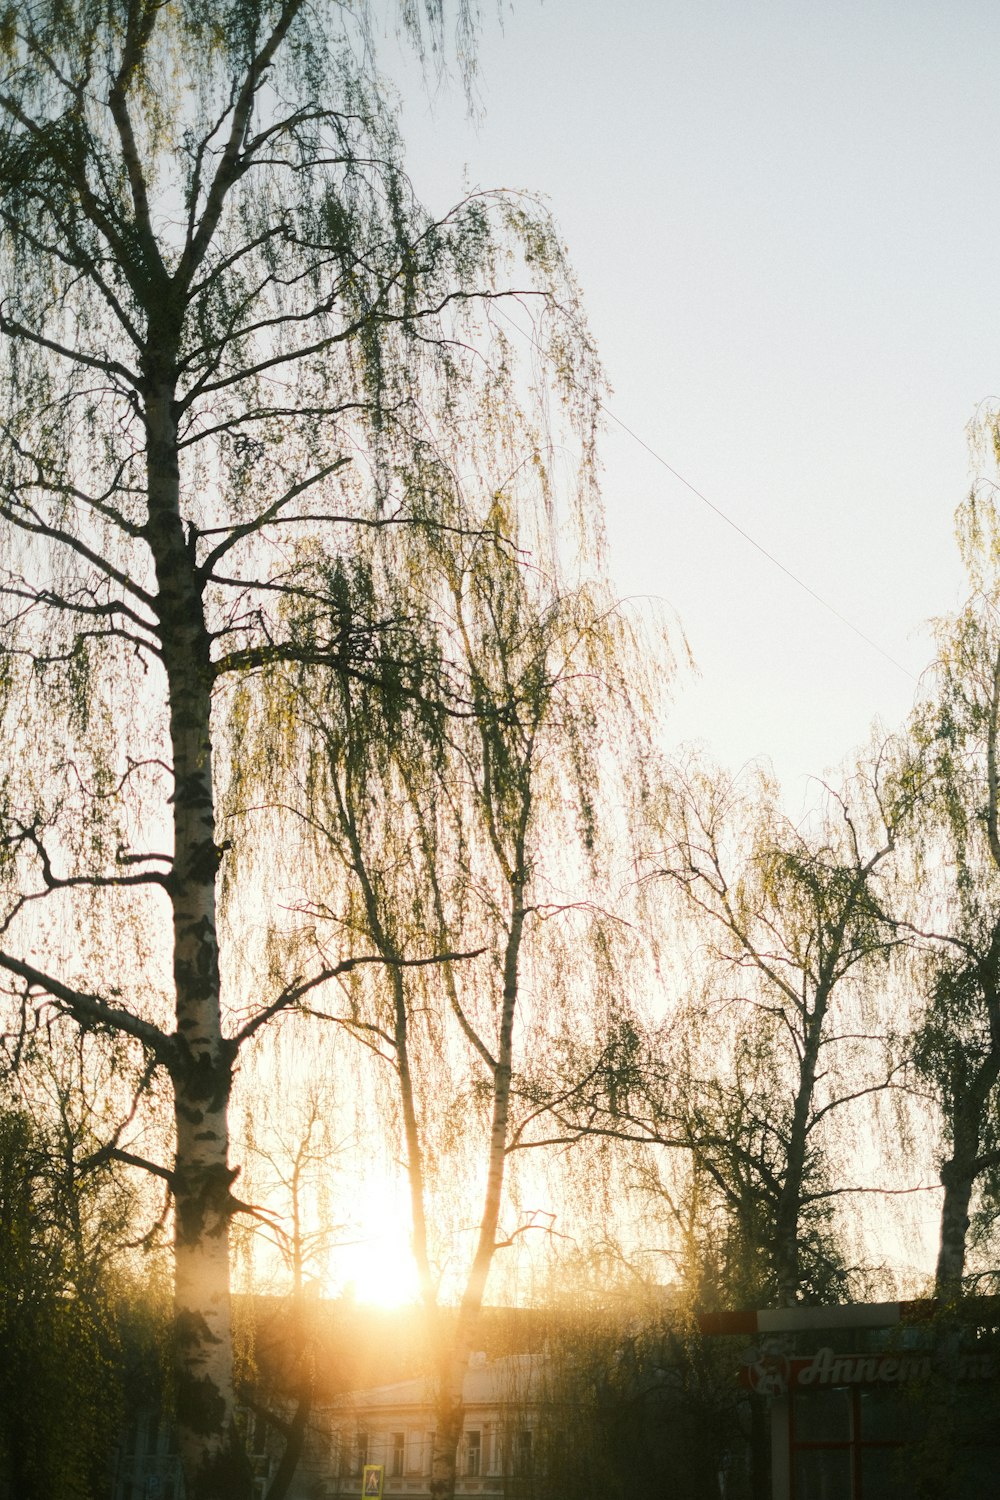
(390, 1425)
(864, 1399)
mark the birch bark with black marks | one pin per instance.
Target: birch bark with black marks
(218, 285)
(202, 1058)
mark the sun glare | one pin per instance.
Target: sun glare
(376, 1264)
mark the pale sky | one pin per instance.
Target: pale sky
(785, 220)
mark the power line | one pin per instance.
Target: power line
(728, 520)
(755, 544)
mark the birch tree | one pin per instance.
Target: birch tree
(226, 320)
(791, 920)
(464, 852)
(952, 915)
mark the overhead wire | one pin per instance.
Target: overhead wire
(728, 520)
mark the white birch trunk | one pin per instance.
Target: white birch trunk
(202, 1059)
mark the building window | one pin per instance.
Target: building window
(430, 1453)
(852, 1440)
(361, 1450)
(523, 1452)
(473, 1452)
(398, 1454)
(258, 1436)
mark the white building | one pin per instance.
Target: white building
(392, 1425)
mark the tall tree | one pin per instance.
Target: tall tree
(951, 904)
(464, 851)
(226, 323)
(949, 909)
(788, 920)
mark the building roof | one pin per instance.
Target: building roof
(984, 1311)
(487, 1383)
(354, 1347)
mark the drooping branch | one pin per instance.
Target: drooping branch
(271, 513)
(237, 154)
(297, 988)
(92, 1012)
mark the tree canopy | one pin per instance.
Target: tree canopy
(319, 705)
(231, 339)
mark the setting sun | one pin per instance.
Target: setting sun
(376, 1263)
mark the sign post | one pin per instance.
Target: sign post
(371, 1483)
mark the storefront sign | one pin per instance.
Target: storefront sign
(772, 1375)
(767, 1374)
(827, 1368)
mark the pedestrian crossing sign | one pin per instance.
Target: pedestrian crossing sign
(371, 1485)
